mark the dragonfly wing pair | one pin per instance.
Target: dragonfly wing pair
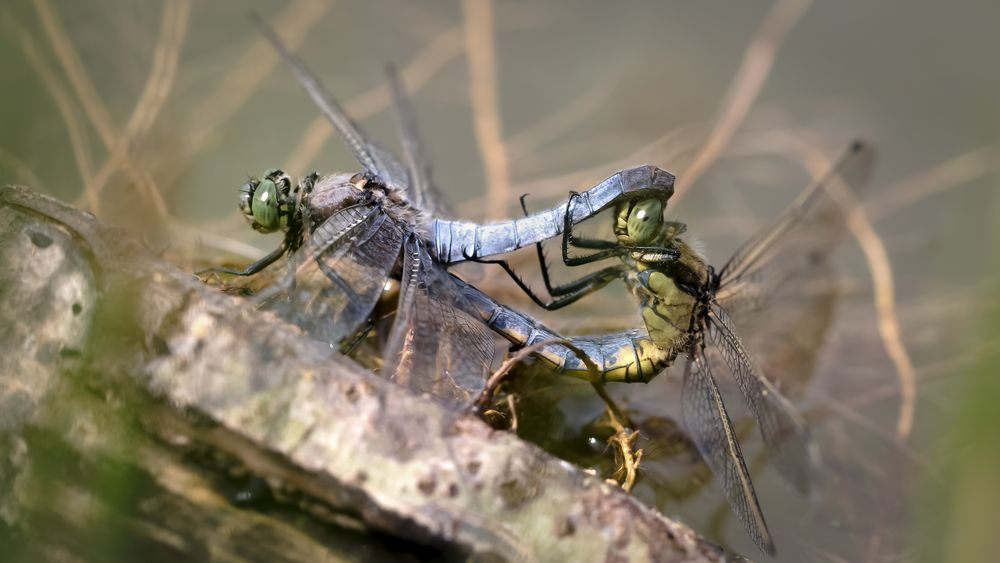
(436, 346)
(783, 267)
(795, 247)
(336, 279)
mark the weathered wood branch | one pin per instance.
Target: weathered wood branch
(133, 397)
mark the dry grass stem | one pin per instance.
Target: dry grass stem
(482, 73)
(98, 115)
(946, 367)
(249, 72)
(746, 86)
(158, 85)
(884, 286)
(427, 63)
(558, 122)
(957, 171)
(174, 24)
(500, 374)
(674, 143)
(885, 306)
(20, 169)
(64, 103)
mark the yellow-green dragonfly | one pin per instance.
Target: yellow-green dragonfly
(691, 309)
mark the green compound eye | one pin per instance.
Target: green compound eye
(265, 206)
(645, 220)
(266, 202)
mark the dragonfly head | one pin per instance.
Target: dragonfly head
(640, 222)
(268, 202)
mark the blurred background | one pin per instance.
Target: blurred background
(152, 114)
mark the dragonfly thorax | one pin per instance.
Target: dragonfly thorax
(673, 293)
(326, 195)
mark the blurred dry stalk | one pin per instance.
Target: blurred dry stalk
(482, 73)
(21, 170)
(750, 78)
(64, 102)
(885, 299)
(952, 173)
(522, 144)
(743, 91)
(817, 163)
(231, 94)
(154, 94)
(93, 107)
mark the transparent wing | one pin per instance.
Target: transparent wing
(422, 191)
(335, 280)
(801, 238)
(435, 346)
(787, 341)
(784, 270)
(786, 439)
(709, 426)
(378, 164)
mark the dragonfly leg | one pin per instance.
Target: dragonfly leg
(564, 294)
(552, 289)
(253, 268)
(606, 248)
(359, 337)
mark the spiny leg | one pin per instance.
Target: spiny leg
(253, 268)
(606, 248)
(569, 293)
(352, 345)
(553, 290)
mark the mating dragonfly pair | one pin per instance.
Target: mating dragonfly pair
(360, 244)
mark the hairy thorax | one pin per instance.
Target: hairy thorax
(668, 294)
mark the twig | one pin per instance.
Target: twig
(482, 73)
(512, 405)
(613, 407)
(746, 86)
(498, 376)
(873, 247)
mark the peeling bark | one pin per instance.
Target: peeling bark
(134, 401)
